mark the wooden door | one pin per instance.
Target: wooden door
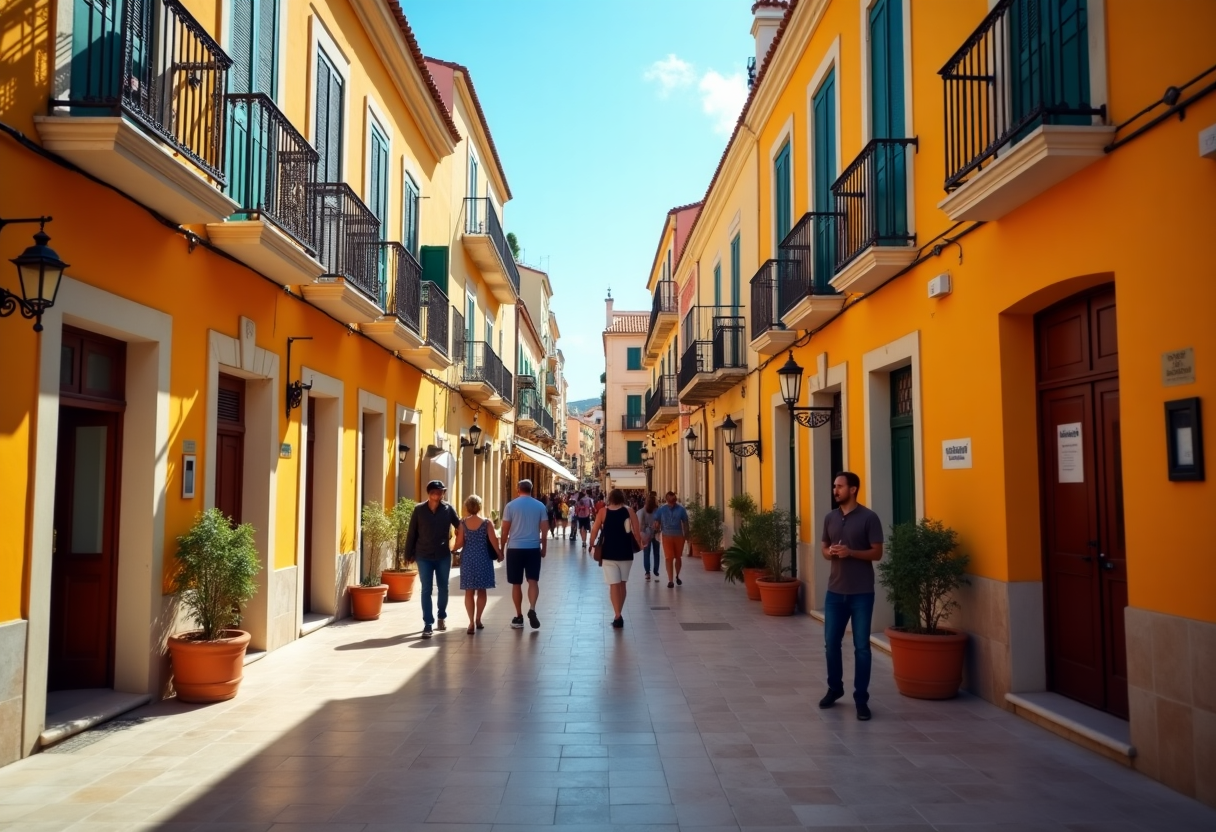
(230, 447)
(84, 556)
(903, 451)
(1085, 573)
(310, 466)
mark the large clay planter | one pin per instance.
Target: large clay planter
(694, 549)
(400, 584)
(712, 561)
(208, 671)
(927, 667)
(778, 597)
(750, 576)
(366, 601)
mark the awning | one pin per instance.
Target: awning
(539, 456)
(627, 477)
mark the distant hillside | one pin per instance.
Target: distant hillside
(581, 406)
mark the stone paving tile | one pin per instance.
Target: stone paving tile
(577, 727)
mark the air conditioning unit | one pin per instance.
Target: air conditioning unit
(940, 286)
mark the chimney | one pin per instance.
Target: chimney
(766, 18)
(608, 315)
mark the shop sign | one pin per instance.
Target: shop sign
(956, 453)
(1069, 457)
(1178, 367)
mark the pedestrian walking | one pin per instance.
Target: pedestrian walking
(525, 521)
(428, 543)
(551, 509)
(563, 517)
(478, 543)
(650, 537)
(621, 537)
(582, 516)
(672, 520)
(852, 542)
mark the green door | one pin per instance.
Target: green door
(890, 199)
(823, 106)
(903, 452)
(96, 52)
(1050, 48)
(378, 202)
(250, 140)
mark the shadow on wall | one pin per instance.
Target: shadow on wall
(27, 30)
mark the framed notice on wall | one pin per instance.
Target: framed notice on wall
(1184, 440)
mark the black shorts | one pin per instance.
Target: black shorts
(523, 563)
(584, 523)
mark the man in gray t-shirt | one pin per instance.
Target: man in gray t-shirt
(852, 542)
(525, 524)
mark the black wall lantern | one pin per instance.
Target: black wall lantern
(295, 389)
(402, 450)
(701, 455)
(474, 439)
(742, 448)
(40, 270)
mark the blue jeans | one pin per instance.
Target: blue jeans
(652, 551)
(430, 571)
(837, 610)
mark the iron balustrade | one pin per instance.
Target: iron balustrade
(715, 337)
(1026, 64)
(697, 358)
(270, 166)
(527, 402)
(481, 218)
(546, 421)
(550, 378)
(664, 302)
(766, 286)
(664, 394)
(633, 421)
(348, 237)
(810, 249)
(872, 200)
(482, 364)
(407, 284)
(152, 61)
(435, 317)
(458, 334)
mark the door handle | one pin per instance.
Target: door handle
(1107, 565)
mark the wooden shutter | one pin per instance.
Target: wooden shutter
(735, 266)
(718, 284)
(410, 216)
(781, 193)
(266, 47)
(434, 262)
(329, 114)
(887, 70)
(241, 47)
(824, 110)
(633, 405)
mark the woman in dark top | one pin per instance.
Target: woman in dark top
(622, 536)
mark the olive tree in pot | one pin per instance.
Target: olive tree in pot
(216, 567)
(920, 573)
(367, 598)
(778, 591)
(708, 533)
(401, 574)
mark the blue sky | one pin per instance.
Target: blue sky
(606, 114)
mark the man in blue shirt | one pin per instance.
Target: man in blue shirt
(672, 520)
(525, 521)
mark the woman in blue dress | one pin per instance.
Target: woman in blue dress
(475, 536)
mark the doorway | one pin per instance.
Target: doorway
(230, 447)
(310, 467)
(1084, 562)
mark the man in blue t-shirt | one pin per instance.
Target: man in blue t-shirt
(672, 520)
(525, 522)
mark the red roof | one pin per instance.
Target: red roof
(632, 322)
(772, 4)
(444, 70)
(420, 62)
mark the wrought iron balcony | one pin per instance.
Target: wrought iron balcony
(348, 237)
(1015, 72)
(407, 285)
(488, 247)
(810, 248)
(270, 167)
(716, 354)
(662, 402)
(872, 200)
(767, 285)
(664, 309)
(546, 422)
(435, 317)
(481, 365)
(633, 421)
(527, 407)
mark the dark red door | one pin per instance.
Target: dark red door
(84, 560)
(1085, 574)
(230, 447)
(310, 457)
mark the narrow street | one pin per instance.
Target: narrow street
(700, 714)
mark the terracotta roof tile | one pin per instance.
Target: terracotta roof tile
(631, 322)
(481, 115)
(420, 61)
(772, 4)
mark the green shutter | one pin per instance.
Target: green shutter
(633, 405)
(1050, 48)
(890, 203)
(634, 451)
(410, 216)
(434, 262)
(634, 358)
(782, 207)
(96, 51)
(329, 113)
(735, 277)
(824, 110)
(718, 284)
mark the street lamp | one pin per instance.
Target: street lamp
(701, 455)
(742, 448)
(790, 376)
(39, 270)
(402, 450)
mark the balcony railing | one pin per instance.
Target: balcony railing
(407, 284)
(665, 301)
(481, 218)
(766, 285)
(270, 167)
(435, 312)
(810, 249)
(546, 421)
(715, 337)
(1019, 69)
(633, 421)
(527, 402)
(482, 364)
(664, 394)
(153, 62)
(872, 200)
(550, 378)
(348, 237)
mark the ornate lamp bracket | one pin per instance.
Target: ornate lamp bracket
(813, 417)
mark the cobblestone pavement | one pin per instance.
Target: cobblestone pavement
(365, 727)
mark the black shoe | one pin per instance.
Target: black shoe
(427, 632)
(618, 623)
(670, 585)
(830, 698)
(533, 620)
(863, 711)
(679, 582)
(517, 623)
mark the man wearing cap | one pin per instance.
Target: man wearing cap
(525, 520)
(428, 542)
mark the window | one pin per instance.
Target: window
(377, 195)
(329, 109)
(634, 452)
(717, 284)
(634, 358)
(633, 405)
(735, 265)
(254, 46)
(887, 116)
(434, 262)
(823, 106)
(474, 224)
(409, 216)
(782, 203)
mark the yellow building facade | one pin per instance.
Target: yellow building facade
(958, 223)
(289, 294)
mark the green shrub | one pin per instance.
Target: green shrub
(400, 518)
(706, 529)
(922, 570)
(216, 567)
(744, 553)
(377, 533)
(772, 531)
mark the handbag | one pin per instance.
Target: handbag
(597, 549)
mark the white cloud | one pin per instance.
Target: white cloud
(671, 73)
(722, 99)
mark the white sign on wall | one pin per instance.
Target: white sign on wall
(1069, 458)
(956, 453)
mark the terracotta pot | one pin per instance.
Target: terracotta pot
(927, 667)
(208, 671)
(712, 561)
(778, 597)
(750, 575)
(694, 549)
(366, 601)
(400, 584)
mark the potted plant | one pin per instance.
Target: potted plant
(709, 532)
(921, 572)
(742, 506)
(693, 507)
(401, 574)
(778, 591)
(743, 561)
(367, 597)
(216, 567)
